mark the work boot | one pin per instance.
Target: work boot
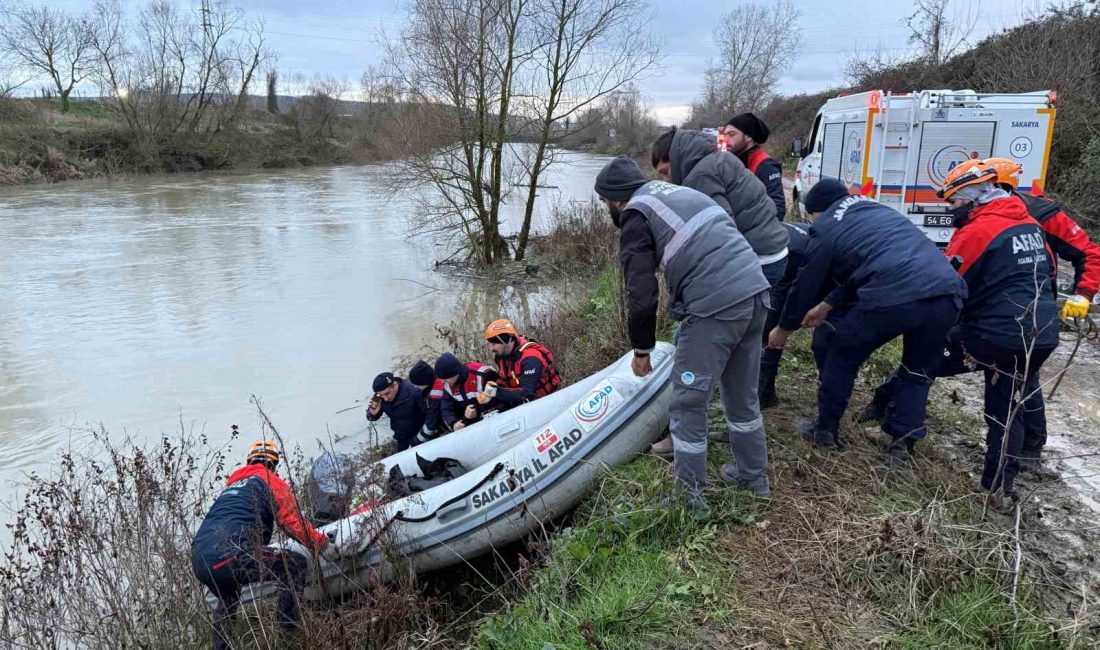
(822, 438)
(759, 488)
(1030, 457)
(662, 447)
(766, 393)
(899, 453)
(873, 412)
(695, 506)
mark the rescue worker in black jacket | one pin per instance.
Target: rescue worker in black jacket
(745, 134)
(889, 270)
(229, 550)
(403, 403)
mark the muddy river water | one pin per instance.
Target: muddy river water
(143, 302)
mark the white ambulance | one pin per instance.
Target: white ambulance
(898, 149)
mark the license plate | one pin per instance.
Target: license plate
(937, 220)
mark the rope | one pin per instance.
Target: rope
(455, 499)
(400, 515)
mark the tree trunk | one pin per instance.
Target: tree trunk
(64, 101)
(532, 188)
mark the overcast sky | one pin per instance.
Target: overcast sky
(338, 37)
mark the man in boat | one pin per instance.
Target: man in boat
(403, 404)
(526, 367)
(423, 377)
(891, 281)
(462, 383)
(719, 295)
(230, 549)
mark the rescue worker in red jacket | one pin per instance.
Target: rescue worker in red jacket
(229, 550)
(745, 133)
(526, 368)
(1009, 323)
(462, 383)
(1066, 239)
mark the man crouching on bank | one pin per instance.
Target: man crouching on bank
(719, 295)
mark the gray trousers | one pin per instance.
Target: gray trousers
(725, 353)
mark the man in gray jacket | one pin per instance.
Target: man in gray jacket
(692, 159)
(719, 294)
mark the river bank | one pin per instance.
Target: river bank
(40, 144)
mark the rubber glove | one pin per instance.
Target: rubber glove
(1075, 307)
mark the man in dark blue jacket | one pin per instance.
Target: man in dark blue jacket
(889, 271)
(403, 403)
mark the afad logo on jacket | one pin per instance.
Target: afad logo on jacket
(594, 407)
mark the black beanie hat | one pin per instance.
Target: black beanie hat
(751, 126)
(447, 366)
(618, 179)
(422, 374)
(826, 192)
(382, 381)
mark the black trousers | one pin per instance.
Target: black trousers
(226, 576)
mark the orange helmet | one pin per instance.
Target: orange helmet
(498, 327)
(970, 172)
(264, 450)
(1007, 170)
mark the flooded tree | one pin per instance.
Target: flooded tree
(588, 51)
(489, 72)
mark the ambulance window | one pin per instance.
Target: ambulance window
(814, 140)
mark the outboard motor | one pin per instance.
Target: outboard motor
(329, 488)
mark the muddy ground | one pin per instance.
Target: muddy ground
(1060, 514)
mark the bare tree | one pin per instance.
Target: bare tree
(586, 51)
(176, 70)
(315, 114)
(51, 41)
(629, 127)
(940, 32)
(458, 60)
(755, 43)
(11, 76)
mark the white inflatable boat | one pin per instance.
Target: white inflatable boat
(523, 466)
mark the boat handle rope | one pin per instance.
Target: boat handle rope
(400, 515)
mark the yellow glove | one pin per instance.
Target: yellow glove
(489, 393)
(1075, 307)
